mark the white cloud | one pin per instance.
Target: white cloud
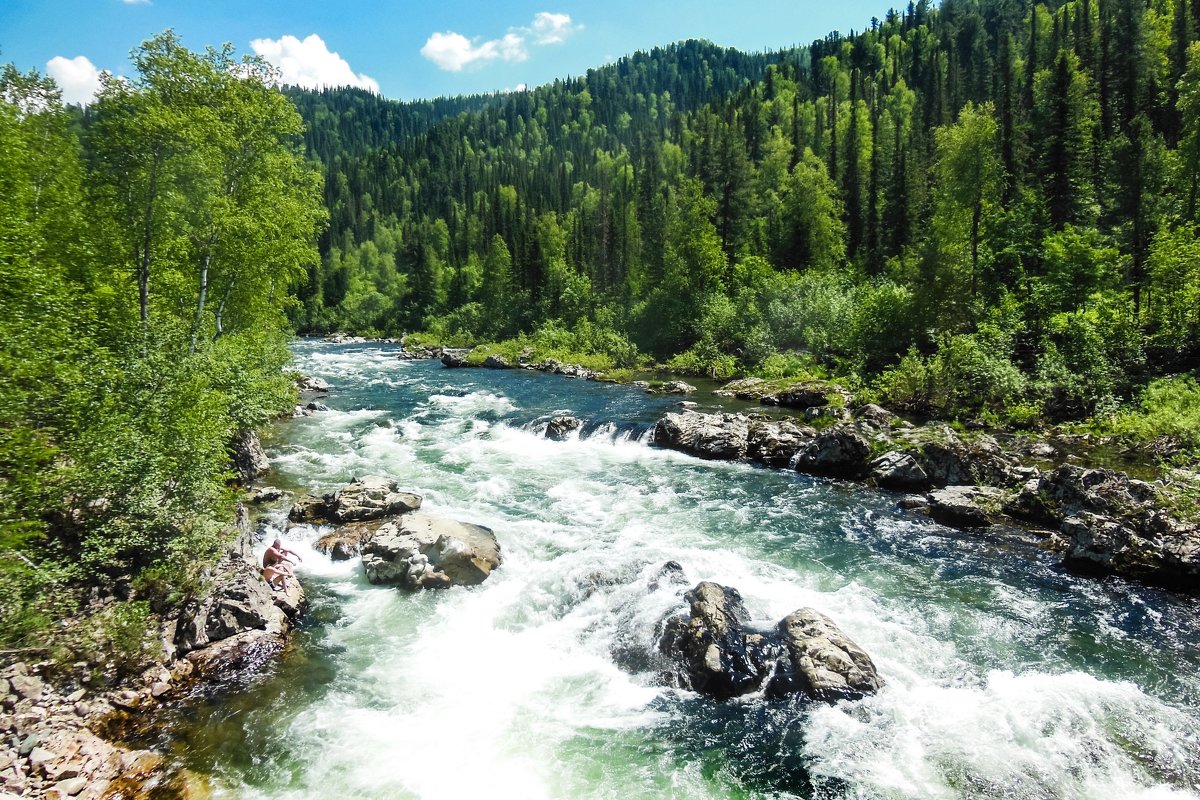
(452, 51)
(552, 28)
(78, 78)
(310, 64)
(136, 2)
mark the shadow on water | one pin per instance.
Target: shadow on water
(753, 745)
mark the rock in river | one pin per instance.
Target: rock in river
(421, 551)
(371, 497)
(821, 661)
(716, 436)
(715, 652)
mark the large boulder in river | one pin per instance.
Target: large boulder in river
(840, 451)
(454, 358)
(421, 551)
(345, 541)
(1111, 522)
(672, 387)
(1053, 496)
(776, 443)
(821, 661)
(371, 497)
(710, 647)
(949, 460)
(560, 427)
(715, 436)
(967, 506)
(896, 470)
(714, 651)
(315, 385)
(494, 361)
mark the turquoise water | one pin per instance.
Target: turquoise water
(1006, 677)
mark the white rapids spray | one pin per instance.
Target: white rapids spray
(513, 689)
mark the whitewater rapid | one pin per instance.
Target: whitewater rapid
(1005, 676)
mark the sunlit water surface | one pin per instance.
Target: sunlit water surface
(1005, 676)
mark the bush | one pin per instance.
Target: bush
(704, 359)
(123, 637)
(1168, 407)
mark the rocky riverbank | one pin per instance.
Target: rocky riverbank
(1097, 520)
(63, 725)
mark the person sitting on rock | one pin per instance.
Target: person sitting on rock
(278, 554)
(276, 575)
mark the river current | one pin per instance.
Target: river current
(1006, 676)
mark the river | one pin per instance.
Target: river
(1006, 676)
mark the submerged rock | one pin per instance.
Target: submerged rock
(421, 551)
(715, 652)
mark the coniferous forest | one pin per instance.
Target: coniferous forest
(983, 210)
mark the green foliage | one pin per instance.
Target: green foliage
(1167, 408)
(968, 374)
(122, 638)
(704, 358)
(144, 278)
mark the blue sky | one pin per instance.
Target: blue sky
(405, 49)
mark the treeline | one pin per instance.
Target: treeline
(984, 208)
(148, 248)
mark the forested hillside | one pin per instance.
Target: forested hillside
(987, 207)
(147, 251)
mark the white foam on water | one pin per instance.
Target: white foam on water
(1027, 736)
